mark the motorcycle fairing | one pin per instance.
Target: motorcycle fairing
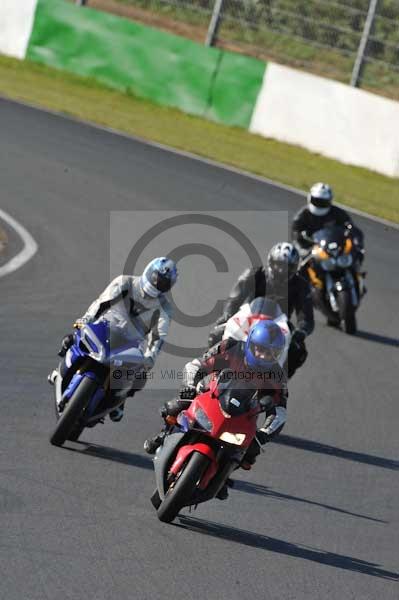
(102, 346)
(162, 458)
(185, 452)
(220, 424)
(93, 340)
(76, 379)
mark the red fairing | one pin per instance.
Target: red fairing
(186, 451)
(221, 423)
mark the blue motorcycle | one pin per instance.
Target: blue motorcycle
(98, 361)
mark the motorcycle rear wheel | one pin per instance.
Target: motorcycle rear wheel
(68, 423)
(177, 496)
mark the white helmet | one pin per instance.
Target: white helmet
(320, 199)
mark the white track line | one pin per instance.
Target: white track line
(29, 249)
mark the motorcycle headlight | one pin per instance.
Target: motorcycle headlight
(319, 253)
(202, 419)
(233, 438)
(344, 261)
(93, 347)
(328, 264)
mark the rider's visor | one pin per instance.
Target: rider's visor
(265, 352)
(320, 202)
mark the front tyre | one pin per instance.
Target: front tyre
(347, 312)
(68, 422)
(182, 489)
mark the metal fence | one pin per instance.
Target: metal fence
(356, 41)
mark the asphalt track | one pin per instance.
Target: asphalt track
(317, 518)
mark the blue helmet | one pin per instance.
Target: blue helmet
(159, 276)
(264, 345)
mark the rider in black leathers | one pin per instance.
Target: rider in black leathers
(319, 213)
(279, 282)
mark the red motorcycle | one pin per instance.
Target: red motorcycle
(204, 445)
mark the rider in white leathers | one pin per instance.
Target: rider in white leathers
(138, 307)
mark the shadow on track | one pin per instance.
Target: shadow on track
(312, 446)
(255, 488)
(263, 542)
(379, 339)
(126, 458)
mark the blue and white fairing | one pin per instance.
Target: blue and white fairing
(104, 345)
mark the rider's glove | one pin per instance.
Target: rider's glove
(348, 225)
(79, 323)
(203, 385)
(187, 392)
(298, 336)
(262, 437)
(173, 407)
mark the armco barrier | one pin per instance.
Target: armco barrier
(166, 68)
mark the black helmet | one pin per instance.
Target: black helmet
(282, 262)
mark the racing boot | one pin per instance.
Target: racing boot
(66, 343)
(223, 493)
(51, 376)
(334, 321)
(116, 415)
(360, 281)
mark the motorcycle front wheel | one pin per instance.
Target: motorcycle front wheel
(347, 312)
(181, 490)
(68, 423)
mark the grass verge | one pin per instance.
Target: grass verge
(86, 99)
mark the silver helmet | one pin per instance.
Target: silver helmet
(282, 262)
(320, 198)
(159, 276)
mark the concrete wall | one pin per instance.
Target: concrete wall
(328, 117)
(16, 22)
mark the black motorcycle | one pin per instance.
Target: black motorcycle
(331, 268)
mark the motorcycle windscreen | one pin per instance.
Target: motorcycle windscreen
(107, 341)
(95, 340)
(235, 397)
(330, 236)
(228, 411)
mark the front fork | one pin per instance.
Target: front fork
(334, 286)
